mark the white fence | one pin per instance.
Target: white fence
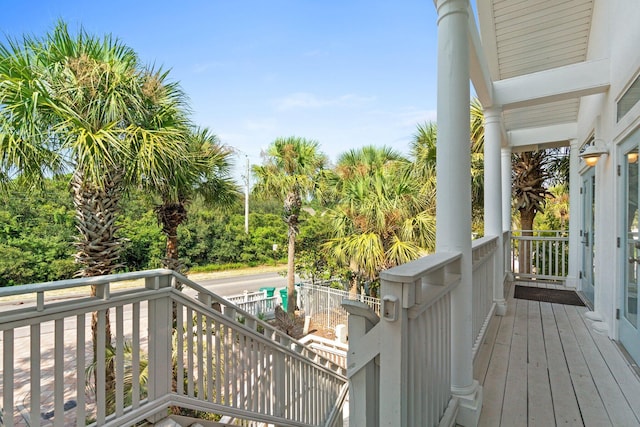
(324, 304)
(541, 254)
(208, 361)
(256, 303)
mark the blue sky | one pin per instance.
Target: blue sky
(345, 73)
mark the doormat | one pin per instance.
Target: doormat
(554, 296)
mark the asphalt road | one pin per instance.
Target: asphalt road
(236, 285)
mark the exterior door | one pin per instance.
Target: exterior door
(588, 250)
(628, 326)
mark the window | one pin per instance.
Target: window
(629, 99)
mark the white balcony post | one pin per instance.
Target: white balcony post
(506, 202)
(160, 320)
(394, 358)
(453, 212)
(506, 188)
(364, 387)
(493, 200)
(575, 252)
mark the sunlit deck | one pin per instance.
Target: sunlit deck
(542, 365)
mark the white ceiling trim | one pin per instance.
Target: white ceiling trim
(478, 67)
(553, 135)
(558, 84)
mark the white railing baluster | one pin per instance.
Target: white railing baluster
(58, 380)
(219, 364)
(100, 368)
(7, 376)
(201, 369)
(190, 353)
(119, 362)
(227, 364)
(35, 375)
(81, 359)
(135, 355)
(180, 353)
(209, 363)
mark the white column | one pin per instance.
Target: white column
(506, 188)
(453, 212)
(575, 217)
(506, 203)
(493, 200)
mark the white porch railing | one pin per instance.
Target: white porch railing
(541, 254)
(324, 304)
(218, 364)
(483, 252)
(400, 367)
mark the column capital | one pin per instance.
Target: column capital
(492, 114)
(448, 7)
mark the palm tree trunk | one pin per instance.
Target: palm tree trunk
(291, 271)
(98, 248)
(526, 224)
(170, 216)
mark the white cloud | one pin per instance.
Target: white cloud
(207, 66)
(267, 124)
(414, 117)
(310, 100)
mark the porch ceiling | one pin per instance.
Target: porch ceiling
(525, 39)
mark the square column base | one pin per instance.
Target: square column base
(469, 405)
(501, 307)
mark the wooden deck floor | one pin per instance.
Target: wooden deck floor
(542, 365)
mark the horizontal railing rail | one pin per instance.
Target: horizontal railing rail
(540, 254)
(213, 357)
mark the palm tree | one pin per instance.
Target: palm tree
(530, 175)
(381, 219)
(84, 103)
(423, 155)
(423, 151)
(205, 173)
(288, 173)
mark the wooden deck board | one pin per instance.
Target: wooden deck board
(496, 375)
(591, 406)
(562, 393)
(542, 365)
(514, 407)
(617, 407)
(629, 384)
(540, 406)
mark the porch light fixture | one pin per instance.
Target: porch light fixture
(592, 153)
(632, 157)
